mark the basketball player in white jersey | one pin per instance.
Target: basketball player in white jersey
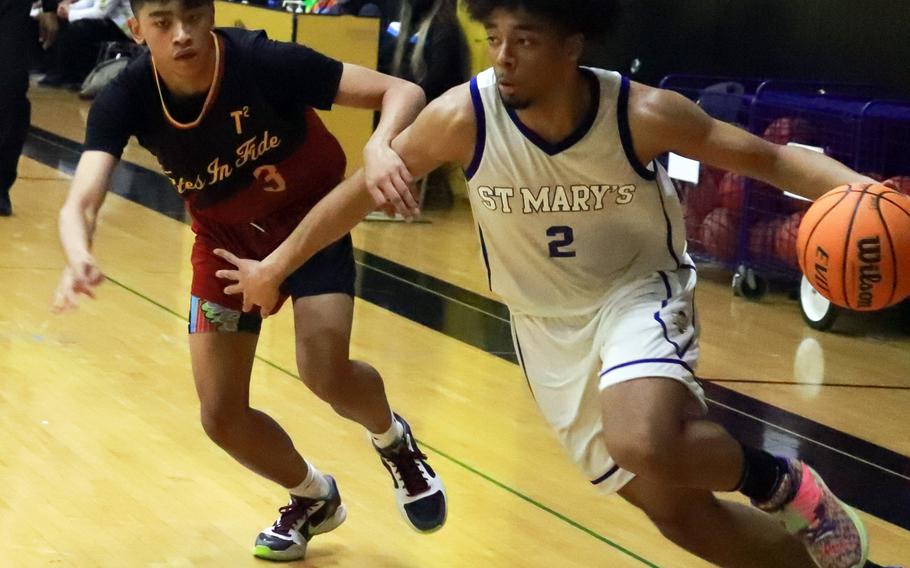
(582, 235)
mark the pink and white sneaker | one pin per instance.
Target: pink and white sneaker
(832, 532)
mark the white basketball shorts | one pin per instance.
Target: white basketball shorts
(646, 328)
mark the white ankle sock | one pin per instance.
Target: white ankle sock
(390, 436)
(313, 485)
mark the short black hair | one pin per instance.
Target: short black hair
(589, 17)
(136, 5)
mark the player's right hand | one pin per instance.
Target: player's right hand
(81, 277)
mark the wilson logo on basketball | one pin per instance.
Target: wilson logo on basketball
(869, 252)
(821, 271)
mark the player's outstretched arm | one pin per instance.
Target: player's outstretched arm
(77, 227)
(663, 121)
(444, 132)
(399, 102)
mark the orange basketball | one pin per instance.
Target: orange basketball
(854, 246)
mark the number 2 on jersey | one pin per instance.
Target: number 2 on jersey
(566, 238)
(271, 178)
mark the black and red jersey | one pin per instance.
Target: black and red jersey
(252, 146)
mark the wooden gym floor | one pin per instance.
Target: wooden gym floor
(103, 462)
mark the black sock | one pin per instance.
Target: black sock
(762, 473)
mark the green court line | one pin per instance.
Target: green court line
(452, 459)
(541, 506)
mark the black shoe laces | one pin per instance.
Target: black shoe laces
(292, 514)
(407, 462)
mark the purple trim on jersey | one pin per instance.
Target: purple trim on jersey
(663, 276)
(663, 207)
(675, 345)
(486, 259)
(694, 319)
(521, 360)
(579, 133)
(688, 345)
(657, 318)
(625, 132)
(641, 361)
(605, 476)
(480, 119)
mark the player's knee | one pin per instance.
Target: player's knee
(327, 381)
(644, 452)
(221, 423)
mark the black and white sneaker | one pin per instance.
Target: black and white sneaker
(297, 522)
(419, 491)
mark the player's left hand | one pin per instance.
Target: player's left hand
(388, 179)
(258, 286)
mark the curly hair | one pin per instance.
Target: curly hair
(589, 17)
(136, 5)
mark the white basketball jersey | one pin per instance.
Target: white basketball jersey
(562, 224)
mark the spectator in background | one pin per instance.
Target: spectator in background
(386, 10)
(425, 46)
(431, 50)
(90, 23)
(37, 51)
(15, 110)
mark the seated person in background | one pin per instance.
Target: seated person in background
(384, 9)
(43, 26)
(85, 26)
(431, 50)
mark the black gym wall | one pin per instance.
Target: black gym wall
(866, 41)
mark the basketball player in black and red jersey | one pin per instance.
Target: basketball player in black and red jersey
(229, 115)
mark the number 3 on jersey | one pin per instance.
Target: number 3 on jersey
(565, 238)
(270, 177)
